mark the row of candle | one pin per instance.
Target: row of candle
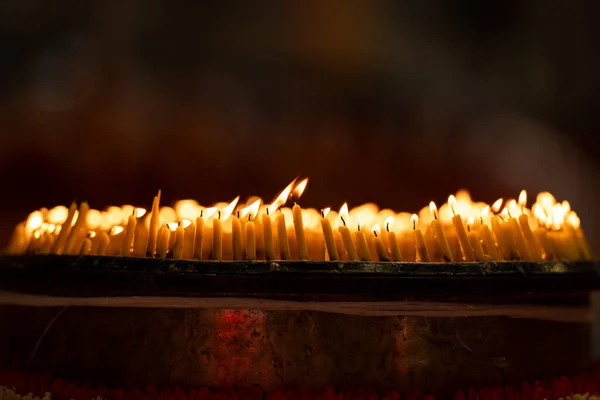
(461, 230)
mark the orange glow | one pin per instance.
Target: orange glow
(167, 214)
(34, 221)
(496, 205)
(325, 212)
(93, 219)
(344, 213)
(139, 212)
(299, 188)
(92, 234)
(208, 212)
(185, 223)
(281, 198)
(573, 220)
(126, 211)
(566, 206)
(546, 200)
(513, 208)
(376, 230)
(523, 198)
(172, 226)
(186, 209)
(115, 230)
(250, 211)
(470, 222)
(389, 221)
(433, 209)
(485, 212)
(414, 220)
(37, 233)
(58, 215)
(452, 203)
(228, 209)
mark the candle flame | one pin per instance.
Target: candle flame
(115, 230)
(414, 219)
(470, 222)
(513, 208)
(505, 214)
(166, 214)
(325, 212)
(172, 226)
(139, 212)
(433, 209)
(251, 211)
(376, 230)
(523, 198)
(126, 211)
(344, 213)
(566, 206)
(299, 188)
(58, 215)
(545, 199)
(34, 221)
(573, 220)
(208, 212)
(496, 205)
(228, 209)
(452, 203)
(92, 234)
(281, 198)
(485, 212)
(389, 221)
(185, 223)
(186, 208)
(37, 233)
(93, 219)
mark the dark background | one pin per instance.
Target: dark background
(397, 102)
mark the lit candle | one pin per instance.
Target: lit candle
(461, 234)
(574, 224)
(339, 244)
(509, 237)
(140, 240)
(438, 230)
(345, 232)
(116, 240)
(76, 230)
(489, 245)
(153, 229)
(497, 229)
(49, 240)
(532, 244)
(178, 247)
(130, 230)
(222, 215)
(103, 244)
(236, 237)
(17, 241)
(250, 212)
(328, 235)
(268, 235)
(298, 223)
(86, 247)
(515, 229)
(362, 247)
(164, 237)
(189, 239)
(59, 243)
(199, 238)
(379, 247)
(392, 241)
(419, 240)
(474, 241)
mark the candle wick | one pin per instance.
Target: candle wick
(238, 213)
(414, 225)
(219, 212)
(322, 214)
(201, 213)
(179, 223)
(375, 233)
(343, 222)
(434, 214)
(249, 217)
(508, 211)
(359, 227)
(452, 208)
(133, 212)
(481, 219)
(468, 228)
(267, 209)
(387, 227)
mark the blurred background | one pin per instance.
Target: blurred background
(396, 102)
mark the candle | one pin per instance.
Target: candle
(236, 237)
(222, 215)
(438, 230)
(49, 240)
(379, 247)
(362, 247)
(392, 241)
(339, 245)
(59, 243)
(474, 241)
(328, 235)
(116, 240)
(419, 240)
(574, 225)
(532, 245)
(516, 232)
(153, 229)
(509, 237)
(189, 238)
(17, 241)
(164, 236)
(130, 230)
(103, 244)
(298, 222)
(497, 229)
(251, 237)
(284, 246)
(268, 235)
(86, 247)
(461, 234)
(76, 231)
(178, 246)
(199, 237)
(345, 232)
(489, 246)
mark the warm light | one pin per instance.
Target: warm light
(414, 219)
(172, 226)
(114, 215)
(389, 221)
(281, 198)
(34, 221)
(505, 214)
(344, 213)
(573, 220)
(115, 230)
(433, 209)
(485, 211)
(513, 208)
(251, 211)
(299, 188)
(566, 206)
(166, 214)
(496, 205)
(523, 198)
(92, 234)
(126, 211)
(545, 199)
(325, 212)
(376, 230)
(187, 209)
(139, 212)
(452, 203)
(58, 215)
(185, 223)
(37, 233)
(48, 227)
(93, 219)
(228, 209)
(75, 217)
(208, 212)
(470, 222)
